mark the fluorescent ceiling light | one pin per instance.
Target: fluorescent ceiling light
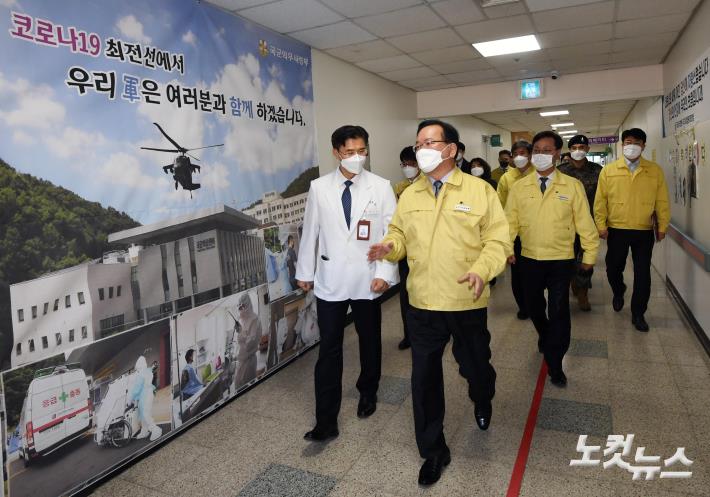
(555, 113)
(569, 133)
(507, 46)
(561, 125)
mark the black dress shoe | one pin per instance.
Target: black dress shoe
(483, 416)
(522, 315)
(366, 407)
(404, 344)
(617, 302)
(558, 378)
(430, 471)
(640, 323)
(319, 434)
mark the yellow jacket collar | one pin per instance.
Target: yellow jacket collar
(422, 183)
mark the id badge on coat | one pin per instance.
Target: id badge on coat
(363, 229)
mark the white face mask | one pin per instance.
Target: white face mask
(578, 154)
(477, 171)
(542, 162)
(354, 164)
(632, 152)
(520, 161)
(429, 159)
(410, 171)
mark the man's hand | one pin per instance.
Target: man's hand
(603, 234)
(586, 267)
(379, 285)
(474, 281)
(511, 259)
(306, 286)
(661, 236)
(379, 251)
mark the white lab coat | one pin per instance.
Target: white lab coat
(340, 269)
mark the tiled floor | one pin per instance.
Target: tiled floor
(654, 385)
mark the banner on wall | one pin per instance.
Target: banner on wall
(139, 141)
(684, 104)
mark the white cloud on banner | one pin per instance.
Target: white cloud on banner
(131, 28)
(190, 38)
(73, 142)
(214, 176)
(9, 3)
(254, 144)
(125, 169)
(32, 106)
(22, 138)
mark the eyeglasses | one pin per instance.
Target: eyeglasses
(426, 144)
(349, 153)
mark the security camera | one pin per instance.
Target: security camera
(555, 74)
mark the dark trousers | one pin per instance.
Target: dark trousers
(367, 315)
(403, 294)
(429, 332)
(582, 279)
(516, 278)
(641, 244)
(551, 318)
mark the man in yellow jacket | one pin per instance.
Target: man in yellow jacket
(546, 209)
(522, 167)
(630, 191)
(452, 229)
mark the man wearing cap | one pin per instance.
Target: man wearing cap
(586, 171)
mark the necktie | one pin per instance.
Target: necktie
(347, 202)
(543, 185)
(437, 187)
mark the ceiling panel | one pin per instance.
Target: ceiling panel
(333, 35)
(400, 22)
(496, 29)
(389, 63)
(426, 40)
(462, 66)
(517, 59)
(474, 76)
(459, 11)
(238, 4)
(509, 10)
(286, 16)
(634, 9)
(359, 8)
(579, 51)
(566, 37)
(403, 74)
(575, 17)
(537, 5)
(364, 51)
(642, 27)
(449, 54)
(644, 42)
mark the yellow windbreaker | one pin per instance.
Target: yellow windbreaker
(463, 230)
(627, 201)
(506, 182)
(547, 223)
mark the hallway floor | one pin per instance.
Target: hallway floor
(654, 385)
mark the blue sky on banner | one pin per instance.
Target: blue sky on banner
(91, 145)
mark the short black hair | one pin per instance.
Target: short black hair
(451, 134)
(549, 134)
(407, 153)
(637, 133)
(504, 151)
(347, 132)
(188, 355)
(461, 146)
(522, 144)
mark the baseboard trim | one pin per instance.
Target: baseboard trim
(688, 315)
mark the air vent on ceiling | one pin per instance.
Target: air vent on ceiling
(493, 3)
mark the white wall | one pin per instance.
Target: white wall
(471, 131)
(691, 280)
(346, 94)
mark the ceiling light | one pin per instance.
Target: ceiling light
(561, 125)
(571, 132)
(493, 3)
(507, 46)
(555, 113)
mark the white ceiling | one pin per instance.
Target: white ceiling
(426, 44)
(592, 119)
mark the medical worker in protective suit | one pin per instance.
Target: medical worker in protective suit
(248, 340)
(143, 394)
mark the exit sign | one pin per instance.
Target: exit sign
(530, 89)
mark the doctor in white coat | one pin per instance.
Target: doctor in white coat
(346, 211)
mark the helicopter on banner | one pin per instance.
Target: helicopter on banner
(181, 168)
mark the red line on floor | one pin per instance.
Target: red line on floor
(516, 479)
